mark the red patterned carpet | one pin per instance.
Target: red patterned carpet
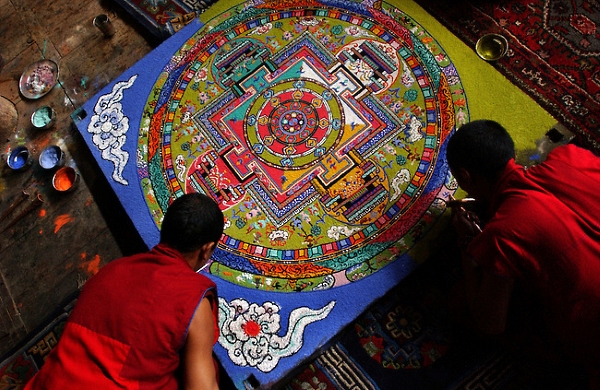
(554, 51)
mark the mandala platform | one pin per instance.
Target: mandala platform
(320, 129)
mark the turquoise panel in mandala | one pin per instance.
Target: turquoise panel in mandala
(320, 130)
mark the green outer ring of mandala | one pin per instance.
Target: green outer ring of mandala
(352, 253)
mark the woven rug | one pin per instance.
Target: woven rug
(554, 52)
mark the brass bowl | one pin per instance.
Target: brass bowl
(491, 47)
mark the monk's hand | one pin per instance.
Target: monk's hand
(466, 222)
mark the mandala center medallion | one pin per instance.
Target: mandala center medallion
(294, 126)
(291, 126)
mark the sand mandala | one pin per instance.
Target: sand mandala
(320, 129)
(318, 133)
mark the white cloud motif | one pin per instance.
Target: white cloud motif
(414, 130)
(401, 178)
(249, 332)
(109, 126)
(335, 232)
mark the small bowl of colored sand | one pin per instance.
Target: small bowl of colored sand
(43, 118)
(18, 158)
(65, 179)
(491, 47)
(51, 157)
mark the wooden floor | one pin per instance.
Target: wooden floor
(48, 249)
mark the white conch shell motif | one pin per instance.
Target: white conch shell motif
(249, 332)
(109, 126)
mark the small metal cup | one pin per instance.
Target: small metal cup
(18, 158)
(51, 157)
(43, 118)
(65, 179)
(491, 47)
(104, 24)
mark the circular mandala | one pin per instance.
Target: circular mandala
(319, 130)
